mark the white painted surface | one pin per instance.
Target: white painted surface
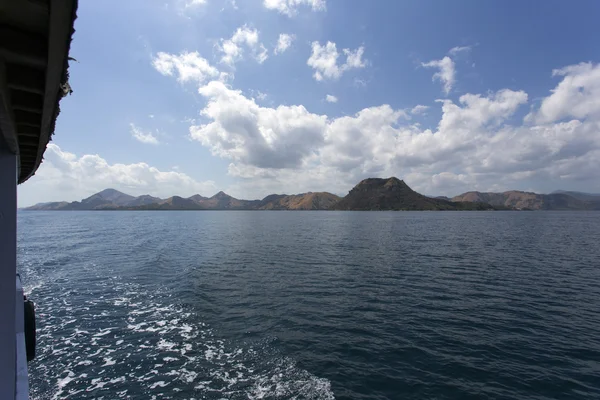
(8, 270)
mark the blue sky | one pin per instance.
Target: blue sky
(192, 96)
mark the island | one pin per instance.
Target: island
(371, 194)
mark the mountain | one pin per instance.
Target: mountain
(304, 201)
(394, 194)
(107, 197)
(197, 198)
(177, 203)
(579, 195)
(369, 194)
(530, 201)
(143, 200)
(56, 205)
(223, 201)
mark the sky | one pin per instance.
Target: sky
(255, 97)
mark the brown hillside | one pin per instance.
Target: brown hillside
(394, 194)
(304, 201)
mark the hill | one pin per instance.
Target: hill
(143, 200)
(197, 198)
(530, 201)
(56, 205)
(304, 201)
(223, 201)
(394, 194)
(369, 194)
(579, 195)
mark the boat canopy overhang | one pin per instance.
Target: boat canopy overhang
(35, 37)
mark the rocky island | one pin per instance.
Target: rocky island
(371, 194)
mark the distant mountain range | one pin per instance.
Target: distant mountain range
(369, 194)
(111, 199)
(558, 200)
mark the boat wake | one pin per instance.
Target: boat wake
(115, 339)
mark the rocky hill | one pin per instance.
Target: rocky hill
(49, 206)
(143, 200)
(111, 199)
(394, 194)
(223, 201)
(530, 201)
(369, 194)
(579, 195)
(304, 201)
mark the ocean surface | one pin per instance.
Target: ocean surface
(313, 305)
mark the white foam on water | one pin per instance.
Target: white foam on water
(61, 383)
(163, 344)
(168, 349)
(31, 288)
(103, 332)
(157, 384)
(108, 361)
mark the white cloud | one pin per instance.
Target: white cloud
(191, 3)
(459, 49)
(290, 7)
(243, 37)
(576, 96)
(248, 133)
(447, 67)
(446, 73)
(419, 109)
(260, 95)
(477, 144)
(324, 60)
(354, 58)
(360, 82)
(284, 42)
(141, 136)
(185, 67)
(65, 176)
(262, 55)
(331, 98)
(479, 111)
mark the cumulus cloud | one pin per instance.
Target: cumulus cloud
(141, 136)
(284, 42)
(477, 144)
(419, 109)
(331, 98)
(232, 49)
(185, 67)
(324, 60)
(290, 7)
(447, 67)
(66, 176)
(446, 73)
(478, 111)
(250, 134)
(576, 96)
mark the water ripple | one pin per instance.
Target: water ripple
(279, 305)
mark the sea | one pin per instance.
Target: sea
(313, 305)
